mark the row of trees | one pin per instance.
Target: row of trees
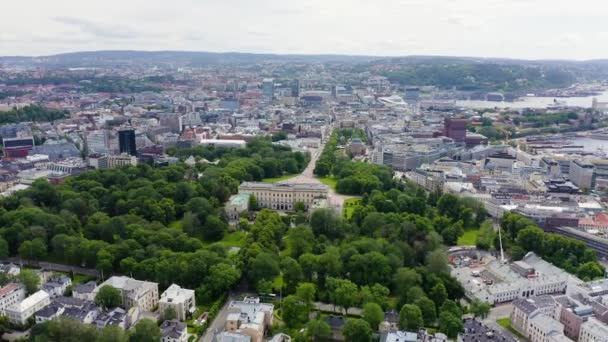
(32, 113)
(354, 178)
(522, 235)
(69, 330)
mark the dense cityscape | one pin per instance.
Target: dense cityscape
(176, 196)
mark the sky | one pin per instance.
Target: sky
(528, 29)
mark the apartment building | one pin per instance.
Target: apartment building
(249, 317)
(9, 295)
(19, 313)
(135, 293)
(593, 331)
(180, 299)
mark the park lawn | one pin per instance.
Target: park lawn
(233, 239)
(469, 238)
(279, 179)
(349, 206)
(506, 323)
(329, 181)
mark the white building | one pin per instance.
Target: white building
(284, 196)
(249, 317)
(542, 328)
(181, 300)
(593, 331)
(20, 312)
(525, 308)
(57, 285)
(135, 293)
(9, 295)
(85, 291)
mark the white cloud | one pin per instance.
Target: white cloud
(501, 28)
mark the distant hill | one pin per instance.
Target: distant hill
(125, 57)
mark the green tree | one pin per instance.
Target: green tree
(214, 228)
(373, 314)
(108, 297)
(30, 279)
(357, 330)
(480, 309)
(112, 333)
(300, 206)
(252, 205)
(145, 330)
(451, 307)
(306, 292)
(410, 317)
(438, 294)
(345, 294)
(590, 271)
(437, 262)
(427, 308)
(295, 312)
(317, 330)
(4, 251)
(404, 279)
(450, 324)
(529, 238)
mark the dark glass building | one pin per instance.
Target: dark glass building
(126, 142)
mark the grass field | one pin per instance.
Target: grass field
(469, 238)
(278, 179)
(349, 206)
(506, 323)
(234, 239)
(329, 181)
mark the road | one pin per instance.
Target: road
(51, 266)
(497, 312)
(307, 176)
(217, 325)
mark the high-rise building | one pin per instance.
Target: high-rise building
(268, 89)
(126, 142)
(455, 129)
(295, 88)
(17, 147)
(582, 174)
(97, 141)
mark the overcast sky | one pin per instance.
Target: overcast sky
(486, 28)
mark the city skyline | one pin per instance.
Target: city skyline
(496, 28)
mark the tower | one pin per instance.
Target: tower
(126, 142)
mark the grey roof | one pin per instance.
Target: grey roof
(172, 328)
(85, 288)
(75, 313)
(529, 305)
(475, 331)
(70, 301)
(335, 322)
(48, 311)
(231, 337)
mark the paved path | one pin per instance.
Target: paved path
(51, 266)
(307, 176)
(497, 312)
(217, 325)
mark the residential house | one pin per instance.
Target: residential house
(227, 336)
(57, 285)
(85, 291)
(10, 269)
(173, 331)
(180, 299)
(336, 323)
(399, 336)
(249, 317)
(116, 316)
